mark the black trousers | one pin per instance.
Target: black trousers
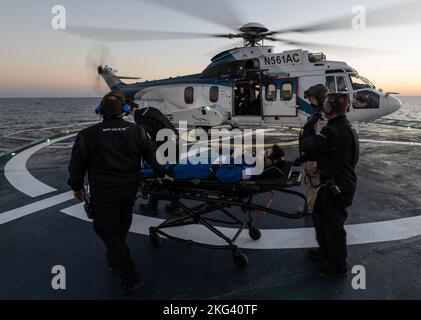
(329, 216)
(112, 221)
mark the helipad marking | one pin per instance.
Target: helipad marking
(18, 175)
(403, 143)
(34, 207)
(375, 232)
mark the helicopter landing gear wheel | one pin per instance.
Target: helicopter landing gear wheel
(240, 259)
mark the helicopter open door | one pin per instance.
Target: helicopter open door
(280, 97)
(247, 104)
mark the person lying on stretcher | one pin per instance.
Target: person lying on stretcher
(274, 166)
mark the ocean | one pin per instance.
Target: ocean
(411, 109)
(36, 113)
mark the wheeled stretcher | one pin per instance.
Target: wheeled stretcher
(216, 196)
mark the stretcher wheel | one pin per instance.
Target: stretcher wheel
(240, 259)
(155, 239)
(255, 233)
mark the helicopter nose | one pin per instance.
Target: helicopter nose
(394, 104)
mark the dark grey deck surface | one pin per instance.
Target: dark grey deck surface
(389, 189)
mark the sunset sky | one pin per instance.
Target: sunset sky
(37, 61)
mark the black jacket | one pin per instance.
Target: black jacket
(337, 150)
(312, 120)
(153, 120)
(308, 130)
(111, 153)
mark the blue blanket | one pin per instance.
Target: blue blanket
(225, 173)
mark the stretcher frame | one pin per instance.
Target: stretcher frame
(219, 197)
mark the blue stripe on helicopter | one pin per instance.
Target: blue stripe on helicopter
(187, 81)
(194, 79)
(131, 90)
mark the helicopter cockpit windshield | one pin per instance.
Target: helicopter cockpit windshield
(359, 82)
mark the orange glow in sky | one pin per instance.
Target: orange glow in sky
(38, 61)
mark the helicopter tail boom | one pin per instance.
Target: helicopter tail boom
(110, 78)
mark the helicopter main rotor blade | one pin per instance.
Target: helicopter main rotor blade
(123, 35)
(403, 14)
(337, 48)
(221, 12)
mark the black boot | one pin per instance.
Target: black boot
(132, 284)
(318, 254)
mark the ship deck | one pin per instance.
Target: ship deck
(41, 226)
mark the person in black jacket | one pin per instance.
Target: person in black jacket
(337, 151)
(152, 120)
(111, 154)
(316, 95)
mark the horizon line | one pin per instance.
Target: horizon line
(98, 97)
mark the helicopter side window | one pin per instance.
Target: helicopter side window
(228, 69)
(214, 94)
(341, 84)
(286, 91)
(271, 92)
(189, 95)
(359, 82)
(330, 83)
(252, 64)
(366, 100)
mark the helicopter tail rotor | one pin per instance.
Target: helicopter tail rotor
(97, 62)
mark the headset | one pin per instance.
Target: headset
(125, 108)
(318, 91)
(331, 102)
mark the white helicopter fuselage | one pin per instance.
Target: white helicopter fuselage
(252, 86)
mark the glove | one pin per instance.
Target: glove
(314, 119)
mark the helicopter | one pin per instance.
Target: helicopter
(252, 85)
